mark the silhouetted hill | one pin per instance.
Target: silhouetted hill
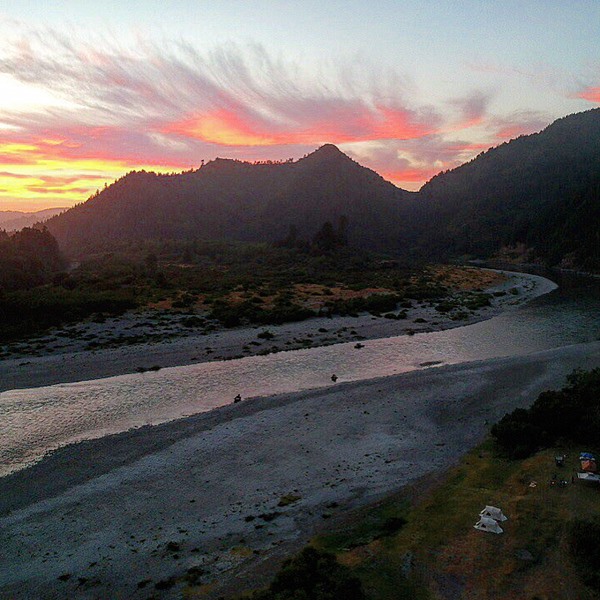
(229, 199)
(540, 190)
(13, 220)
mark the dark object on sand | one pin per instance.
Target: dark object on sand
(359, 346)
(334, 378)
(237, 399)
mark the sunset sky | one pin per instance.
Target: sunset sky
(92, 90)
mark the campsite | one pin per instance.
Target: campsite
(439, 550)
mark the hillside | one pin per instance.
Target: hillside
(227, 199)
(539, 193)
(540, 190)
(28, 258)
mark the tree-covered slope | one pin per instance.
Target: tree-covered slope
(236, 200)
(542, 190)
(28, 258)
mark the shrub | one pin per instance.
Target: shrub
(444, 307)
(266, 335)
(313, 575)
(584, 544)
(517, 435)
(572, 413)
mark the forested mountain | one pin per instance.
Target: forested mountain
(540, 192)
(13, 220)
(228, 199)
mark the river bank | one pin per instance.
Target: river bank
(78, 364)
(227, 491)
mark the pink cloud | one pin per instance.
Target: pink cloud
(592, 94)
(472, 109)
(519, 123)
(172, 106)
(349, 124)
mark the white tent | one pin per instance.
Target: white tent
(493, 513)
(487, 524)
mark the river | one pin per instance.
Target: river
(34, 421)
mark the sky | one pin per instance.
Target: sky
(93, 90)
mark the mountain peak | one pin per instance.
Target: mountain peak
(328, 153)
(329, 149)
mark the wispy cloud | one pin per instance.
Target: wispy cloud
(175, 89)
(472, 108)
(167, 105)
(517, 123)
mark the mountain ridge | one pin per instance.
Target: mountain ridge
(238, 200)
(528, 192)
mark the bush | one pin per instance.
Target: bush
(477, 301)
(248, 312)
(266, 335)
(572, 413)
(313, 575)
(444, 307)
(584, 544)
(517, 435)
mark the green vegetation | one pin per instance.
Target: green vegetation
(27, 258)
(584, 543)
(312, 575)
(232, 283)
(572, 413)
(538, 195)
(382, 520)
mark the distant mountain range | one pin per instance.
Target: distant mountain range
(13, 220)
(540, 192)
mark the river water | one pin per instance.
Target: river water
(33, 421)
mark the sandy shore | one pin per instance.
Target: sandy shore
(113, 517)
(78, 364)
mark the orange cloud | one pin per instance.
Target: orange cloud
(410, 178)
(350, 124)
(592, 94)
(221, 127)
(44, 173)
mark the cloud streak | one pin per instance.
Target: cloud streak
(167, 106)
(591, 93)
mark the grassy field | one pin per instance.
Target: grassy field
(438, 553)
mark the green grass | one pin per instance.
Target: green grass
(380, 521)
(439, 536)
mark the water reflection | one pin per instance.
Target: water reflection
(39, 419)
